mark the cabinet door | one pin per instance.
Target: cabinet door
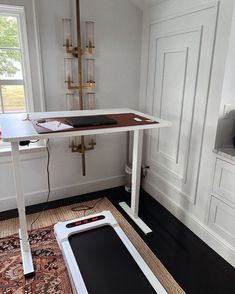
(179, 70)
(224, 180)
(222, 220)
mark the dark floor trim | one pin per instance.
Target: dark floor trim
(5, 215)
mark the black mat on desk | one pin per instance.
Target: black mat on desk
(94, 120)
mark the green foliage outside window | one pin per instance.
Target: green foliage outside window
(9, 39)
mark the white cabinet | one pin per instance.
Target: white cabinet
(224, 180)
(222, 205)
(222, 220)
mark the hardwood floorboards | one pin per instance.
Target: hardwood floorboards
(193, 264)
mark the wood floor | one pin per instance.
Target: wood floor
(194, 265)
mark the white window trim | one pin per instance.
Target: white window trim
(39, 57)
(19, 13)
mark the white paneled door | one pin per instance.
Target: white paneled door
(179, 68)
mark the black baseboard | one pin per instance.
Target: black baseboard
(109, 193)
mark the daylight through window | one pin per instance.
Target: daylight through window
(12, 77)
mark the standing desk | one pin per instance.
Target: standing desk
(15, 128)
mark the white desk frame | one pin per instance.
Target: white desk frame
(15, 129)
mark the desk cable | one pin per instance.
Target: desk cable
(86, 208)
(49, 188)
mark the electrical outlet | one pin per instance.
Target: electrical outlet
(144, 171)
(228, 108)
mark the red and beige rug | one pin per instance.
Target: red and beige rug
(51, 275)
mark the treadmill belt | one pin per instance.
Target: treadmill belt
(106, 265)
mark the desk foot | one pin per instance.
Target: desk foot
(137, 220)
(27, 260)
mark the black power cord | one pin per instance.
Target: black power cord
(83, 208)
(86, 208)
(49, 188)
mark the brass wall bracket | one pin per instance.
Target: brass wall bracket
(82, 148)
(79, 53)
(87, 86)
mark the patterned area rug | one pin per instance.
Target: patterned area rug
(51, 275)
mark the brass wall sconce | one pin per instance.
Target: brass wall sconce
(81, 94)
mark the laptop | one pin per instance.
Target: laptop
(93, 120)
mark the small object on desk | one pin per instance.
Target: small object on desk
(54, 126)
(40, 121)
(137, 119)
(27, 117)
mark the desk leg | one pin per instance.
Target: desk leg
(24, 244)
(135, 190)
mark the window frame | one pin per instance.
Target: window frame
(19, 13)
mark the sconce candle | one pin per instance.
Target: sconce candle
(90, 71)
(67, 30)
(68, 68)
(70, 101)
(90, 42)
(91, 101)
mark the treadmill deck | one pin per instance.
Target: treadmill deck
(101, 259)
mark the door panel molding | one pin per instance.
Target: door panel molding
(184, 69)
(201, 7)
(181, 58)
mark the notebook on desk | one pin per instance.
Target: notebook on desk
(94, 120)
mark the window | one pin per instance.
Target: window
(15, 76)
(15, 81)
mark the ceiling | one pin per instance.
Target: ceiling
(143, 3)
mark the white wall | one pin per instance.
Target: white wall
(226, 124)
(146, 3)
(163, 182)
(118, 45)
(118, 41)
